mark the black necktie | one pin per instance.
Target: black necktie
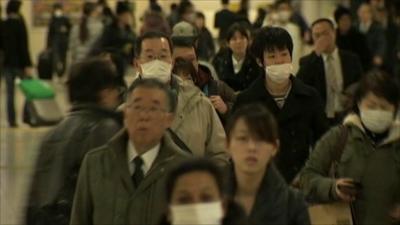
(138, 175)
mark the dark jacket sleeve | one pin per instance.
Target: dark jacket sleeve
(320, 122)
(298, 213)
(314, 177)
(304, 70)
(51, 33)
(25, 54)
(227, 94)
(82, 208)
(379, 40)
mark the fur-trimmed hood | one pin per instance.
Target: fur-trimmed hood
(394, 133)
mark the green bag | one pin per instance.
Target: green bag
(36, 89)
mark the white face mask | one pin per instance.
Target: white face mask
(377, 121)
(284, 15)
(58, 13)
(197, 214)
(279, 73)
(157, 69)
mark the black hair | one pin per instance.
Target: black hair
(380, 84)
(57, 5)
(260, 121)
(237, 27)
(194, 165)
(280, 2)
(88, 8)
(200, 15)
(185, 66)
(269, 39)
(183, 7)
(225, 2)
(155, 84)
(150, 35)
(90, 76)
(341, 11)
(13, 6)
(323, 20)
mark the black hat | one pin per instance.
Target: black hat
(123, 7)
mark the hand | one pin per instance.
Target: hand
(219, 104)
(321, 45)
(345, 189)
(377, 61)
(395, 213)
(28, 72)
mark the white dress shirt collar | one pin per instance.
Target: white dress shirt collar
(148, 157)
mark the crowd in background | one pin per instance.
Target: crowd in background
(265, 119)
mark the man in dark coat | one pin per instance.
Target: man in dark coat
(93, 90)
(329, 70)
(297, 107)
(224, 19)
(57, 38)
(374, 34)
(17, 60)
(350, 39)
(123, 182)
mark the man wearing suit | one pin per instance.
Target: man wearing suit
(328, 69)
(123, 182)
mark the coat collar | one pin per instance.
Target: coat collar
(168, 152)
(355, 121)
(298, 87)
(272, 195)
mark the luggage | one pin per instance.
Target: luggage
(42, 112)
(41, 108)
(45, 65)
(36, 89)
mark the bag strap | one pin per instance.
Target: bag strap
(339, 148)
(178, 141)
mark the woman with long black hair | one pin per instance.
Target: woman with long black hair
(84, 36)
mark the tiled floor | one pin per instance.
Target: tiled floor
(18, 150)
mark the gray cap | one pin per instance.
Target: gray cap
(184, 30)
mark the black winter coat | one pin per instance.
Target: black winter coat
(248, 73)
(301, 122)
(15, 43)
(60, 156)
(276, 202)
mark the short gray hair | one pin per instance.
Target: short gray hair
(155, 84)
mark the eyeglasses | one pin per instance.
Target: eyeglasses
(152, 111)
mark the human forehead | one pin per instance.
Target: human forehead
(321, 27)
(276, 50)
(148, 94)
(184, 181)
(184, 51)
(158, 44)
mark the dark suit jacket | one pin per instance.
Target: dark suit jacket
(312, 71)
(301, 121)
(376, 40)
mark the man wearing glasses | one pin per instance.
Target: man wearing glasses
(123, 182)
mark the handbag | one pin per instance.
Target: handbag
(336, 213)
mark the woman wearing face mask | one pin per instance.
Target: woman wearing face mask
(195, 195)
(85, 34)
(297, 107)
(234, 65)
(368, 169)
(253, 142)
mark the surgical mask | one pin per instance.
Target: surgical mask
(377, 121)
(58, 13)
(279, 73)
(197, 214)
(157, 69)
(284, 15)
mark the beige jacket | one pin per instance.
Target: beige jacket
(197, 123)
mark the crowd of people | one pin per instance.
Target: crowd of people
(254, 133)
